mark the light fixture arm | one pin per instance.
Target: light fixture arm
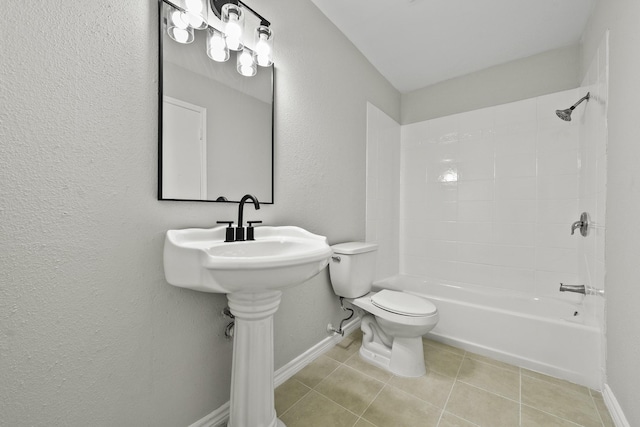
(216, 7)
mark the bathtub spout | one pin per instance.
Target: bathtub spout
(579, 289)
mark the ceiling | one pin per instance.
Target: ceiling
(416, 43)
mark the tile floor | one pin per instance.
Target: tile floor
(460, 389)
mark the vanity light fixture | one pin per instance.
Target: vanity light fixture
(217, 48)
(233, 20)
(196, 11)
(228, 34)
(178, 26)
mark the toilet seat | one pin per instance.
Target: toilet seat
(365, 303)
(403, 303)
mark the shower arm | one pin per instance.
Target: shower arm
(586, 97)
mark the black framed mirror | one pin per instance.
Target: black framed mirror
(215, 139)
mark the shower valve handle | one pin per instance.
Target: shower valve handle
(582, 225)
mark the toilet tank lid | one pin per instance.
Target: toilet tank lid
(352, 248)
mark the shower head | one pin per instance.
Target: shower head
(566, 114)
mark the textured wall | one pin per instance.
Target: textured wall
(90, 333)
(623, 195)
(541, 74)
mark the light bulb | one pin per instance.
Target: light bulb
(196, 14)
(179, 20)
(217, 46)
(180, 35)
(178, 26)
(246, 65)
(194, 6)
(264, 46)
(195, 21)
(233, 19)
(245, 59)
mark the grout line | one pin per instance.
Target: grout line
(455, 379)
(554, 415)
(593, 400)
(297, 401)
(371, 403)
(489, 391)
(520, 396)
(367, 375)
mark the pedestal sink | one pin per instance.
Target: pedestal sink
(252, 274)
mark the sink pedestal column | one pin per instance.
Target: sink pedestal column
(252, 402)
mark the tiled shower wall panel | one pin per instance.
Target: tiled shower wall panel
(592, 185)
(383, 184)
(488, 196)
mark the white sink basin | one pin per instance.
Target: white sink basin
(279, 257)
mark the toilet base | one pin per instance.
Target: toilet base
(404, 357)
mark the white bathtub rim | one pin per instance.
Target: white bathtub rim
(586, 323)
(559, 321)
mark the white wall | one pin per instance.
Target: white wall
(545, 73)
(383, 195)
(623, 195)
(90, 332)
(488, 196)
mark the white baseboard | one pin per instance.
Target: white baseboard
(219, 417)
(614, 408)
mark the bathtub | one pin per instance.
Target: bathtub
(547, 335)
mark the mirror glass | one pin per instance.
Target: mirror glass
(216, 126)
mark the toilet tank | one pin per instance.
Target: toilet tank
(352, 268)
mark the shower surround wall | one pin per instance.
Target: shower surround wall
(487, 196)
(383, 197)
(593, 183)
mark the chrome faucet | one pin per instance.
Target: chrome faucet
(579, 289)
(240, 227)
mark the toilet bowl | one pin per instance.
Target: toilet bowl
(394, 321)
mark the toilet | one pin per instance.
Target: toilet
(394, 322)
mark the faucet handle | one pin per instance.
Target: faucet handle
(250, 229)
(229, 236)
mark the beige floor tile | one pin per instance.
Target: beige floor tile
(443, 346)
(289, 393)
(450, 420)
(359, 364)
(345, 348)
(556, 381)
(394, 408)
(364, 423)
(316, 371)
(356, 334)
(493, 362)
(560, 401)
(432, 387)
(497, 380)
(442, 361)
(315, 410)
(605, 416)
(482, 407)
(350, 388)
(531, 417)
